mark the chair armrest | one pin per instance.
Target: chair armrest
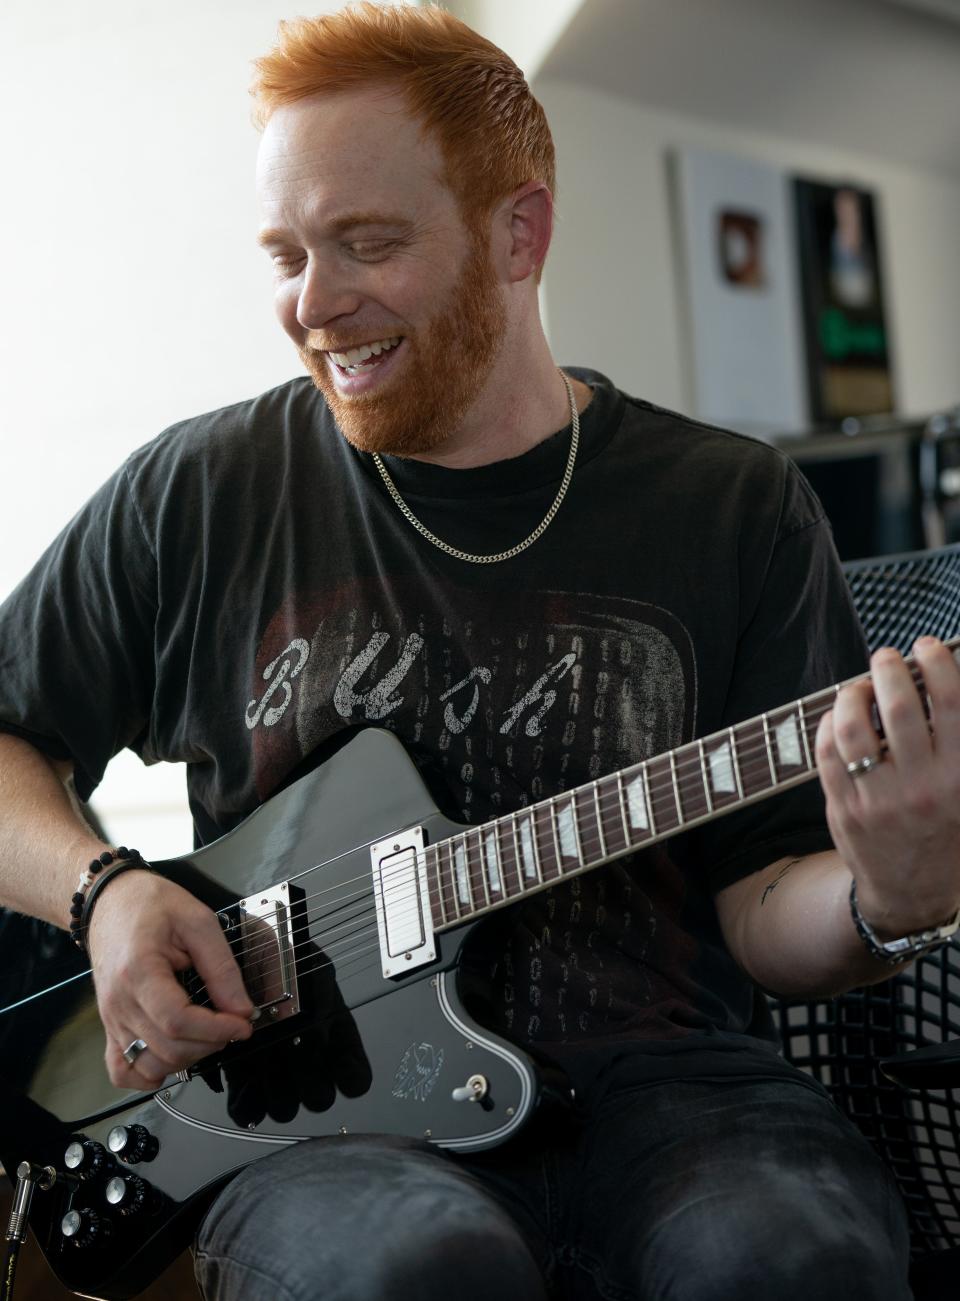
(934, 1067)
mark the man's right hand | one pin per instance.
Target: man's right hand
(144, 930)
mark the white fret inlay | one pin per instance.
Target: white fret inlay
(788, 742)
(706, 784)
(567, 833)
(526, 851)
(460, 865)
(493, 862)
(637, 804)
(721, 769)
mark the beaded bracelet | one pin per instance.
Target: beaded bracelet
(121, 857)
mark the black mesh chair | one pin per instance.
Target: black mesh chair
(915, 1123)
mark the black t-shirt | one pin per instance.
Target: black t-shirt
(243, 589)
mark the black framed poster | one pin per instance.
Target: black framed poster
(847, 342)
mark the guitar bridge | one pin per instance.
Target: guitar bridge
(266, 954)
(404, 919)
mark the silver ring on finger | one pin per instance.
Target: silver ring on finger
(864, 765)
(133, 1051)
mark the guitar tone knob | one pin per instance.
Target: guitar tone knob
(85, 1158)
(132, 1144)
(126, 1193)
(84, 1228)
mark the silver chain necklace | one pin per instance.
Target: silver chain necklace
(537, 532)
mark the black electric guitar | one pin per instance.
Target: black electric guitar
(348, 914)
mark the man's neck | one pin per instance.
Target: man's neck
(523, 402)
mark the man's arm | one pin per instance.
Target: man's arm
(144, 928)
(896, 829)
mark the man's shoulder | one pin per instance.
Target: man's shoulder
(258, 421)
(641, 416)
(708, 463)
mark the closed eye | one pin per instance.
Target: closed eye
(370, 250)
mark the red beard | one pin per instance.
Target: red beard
(440, 379)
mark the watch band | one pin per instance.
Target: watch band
(907, 947)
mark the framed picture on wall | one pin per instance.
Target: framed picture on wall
(739, 276)
(847, 343)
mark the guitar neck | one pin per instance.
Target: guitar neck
(493, 864)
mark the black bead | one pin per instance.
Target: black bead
(76, 909)
(123, 852)
(106, 857)
(77, 898)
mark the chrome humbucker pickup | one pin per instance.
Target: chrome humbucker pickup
(267, 954)
(404, 920)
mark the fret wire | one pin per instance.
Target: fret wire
(521, 873)
(451, 871)
(556, 839)
(599, 817)
(769, 748)
(436, 873)
(576, 828)
(736, 761)
(504, 894)
(532, 821)
(470, 903)
(501, 870)
(803, 734)
(623, 811)
(676, 788)
(705, 778)
(482, 855)
(652, 817)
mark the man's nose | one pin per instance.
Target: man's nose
(325, 295)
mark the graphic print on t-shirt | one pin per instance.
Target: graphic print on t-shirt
(508, 699)
(514, 697)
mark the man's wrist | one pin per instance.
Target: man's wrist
(111, 863)
(898, 949)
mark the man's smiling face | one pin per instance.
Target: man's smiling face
(389, 297)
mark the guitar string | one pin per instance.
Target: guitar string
(321, 939)
(611, 805)
(545, 850)
(660, 787)
(666, 787)
(472, 869)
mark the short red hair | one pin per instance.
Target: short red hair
(470, 95)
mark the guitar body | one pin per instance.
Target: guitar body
(418, 1041)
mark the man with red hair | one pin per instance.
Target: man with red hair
(533, 580)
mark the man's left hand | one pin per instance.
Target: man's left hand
(896, 824)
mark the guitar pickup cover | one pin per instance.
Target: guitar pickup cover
(267, 954)
(404, 920)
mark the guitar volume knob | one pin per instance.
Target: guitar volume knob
(132, 1143)
(84, 1228)
(127, 1194)
(85, 1158)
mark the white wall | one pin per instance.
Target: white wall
(133, 293)
(611, 286)
(526, 29)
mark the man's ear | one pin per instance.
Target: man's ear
(527, 226)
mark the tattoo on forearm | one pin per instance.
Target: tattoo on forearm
(777, 879)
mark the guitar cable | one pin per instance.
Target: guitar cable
(29, 1178)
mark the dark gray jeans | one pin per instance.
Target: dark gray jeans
(725, 1191)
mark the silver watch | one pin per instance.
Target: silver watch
(907, 947)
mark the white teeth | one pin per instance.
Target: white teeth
(356, 356)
